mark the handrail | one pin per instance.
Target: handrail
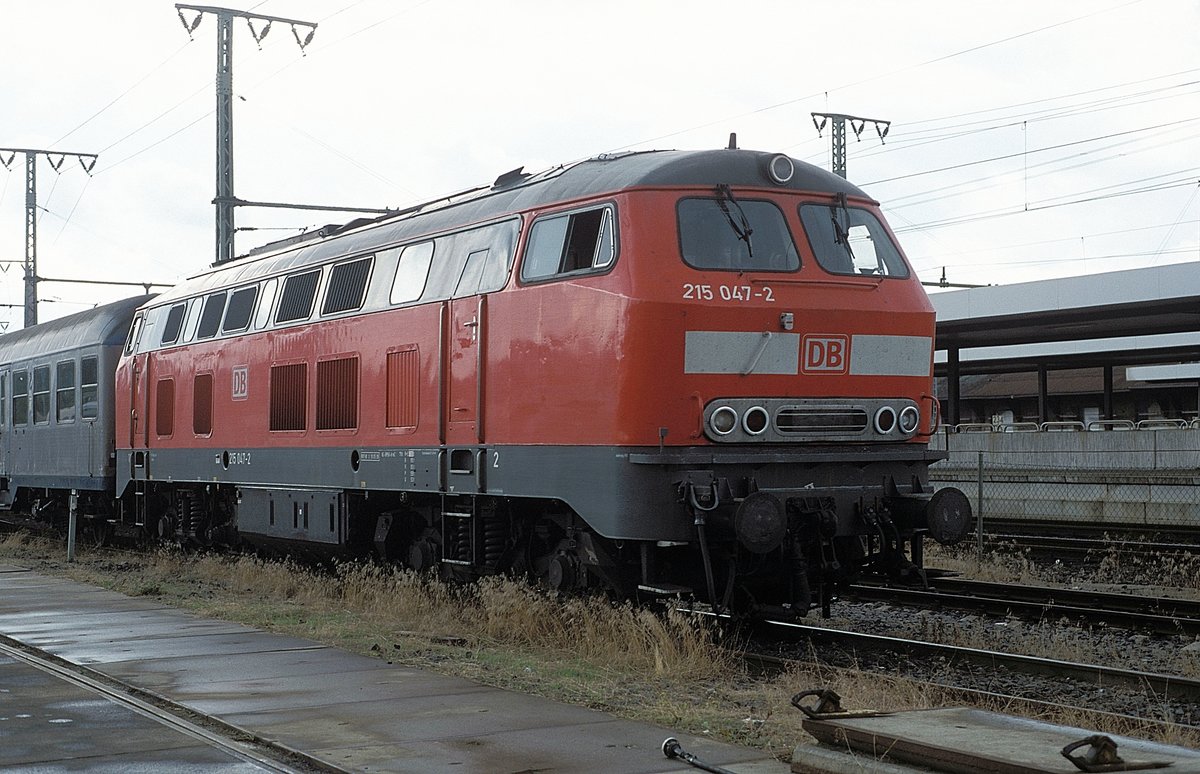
(1070, 425)
(974, 427)
(1111, 424)
(1162, 424)
(1018, 427)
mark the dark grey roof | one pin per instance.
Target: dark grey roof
(514, 192)
(103, 326)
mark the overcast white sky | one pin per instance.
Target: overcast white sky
(1028, 140)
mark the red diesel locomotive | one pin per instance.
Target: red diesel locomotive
(702, 373)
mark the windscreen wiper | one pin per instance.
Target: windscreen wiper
(841, 234)
(741, 226)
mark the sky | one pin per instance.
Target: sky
(1027, 139)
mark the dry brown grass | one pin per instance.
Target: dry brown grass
(665, 669)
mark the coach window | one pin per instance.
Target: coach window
(174, 324)
(210, 318)
(20, 397)
(296, 301)
(89, 388)
(241, 306)
(265, 302)
(41, 395)
(64, 392)
(411, 273)
(729, 234)
(347, 286)
(851, 240)
(571, 243)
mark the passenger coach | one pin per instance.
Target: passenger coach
(658, 372)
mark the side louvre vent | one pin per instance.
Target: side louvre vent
(403, 388)
(337, 394)
(289, 396)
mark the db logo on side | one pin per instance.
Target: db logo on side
(241, 382)
(826, 354)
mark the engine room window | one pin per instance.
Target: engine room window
(174, 324)
(210, 318)
(64, 392)
(411, 273)
(851, 240)
(263, 317)
(41, 395)
(20, 397)
(241, 306)
(296, 301)
(164, 405)
(347, 286)
(202, 404)
(89, 388)
(731, 234)
(565, 244)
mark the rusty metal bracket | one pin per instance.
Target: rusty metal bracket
(1101, 756)
(829, 706)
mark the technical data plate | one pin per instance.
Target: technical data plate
(971, 741)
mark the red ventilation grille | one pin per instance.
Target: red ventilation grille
(337, 394)
(403, 388)
(289, 396)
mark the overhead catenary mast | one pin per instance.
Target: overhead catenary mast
(225, 200)
(838, 134)
(56, 160)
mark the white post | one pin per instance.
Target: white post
(74, 508)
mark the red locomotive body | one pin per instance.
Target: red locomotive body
(654, 372)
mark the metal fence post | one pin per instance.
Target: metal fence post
(979, 508)
(73, 513)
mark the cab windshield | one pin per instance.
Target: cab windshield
(851, 240)
(730, 234)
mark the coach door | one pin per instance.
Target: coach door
(4, 434)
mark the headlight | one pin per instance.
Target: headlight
(885, 420)
(910, 417)
(756, 420)
(723, 420)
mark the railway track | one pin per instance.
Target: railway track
(1160, 615)
(212, 732)
(1083, 547)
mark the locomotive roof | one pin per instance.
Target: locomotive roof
(517, 191)
(102, 326)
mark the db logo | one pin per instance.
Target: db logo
(826, 354)
(241, 383)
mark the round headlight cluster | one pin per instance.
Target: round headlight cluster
(885, 420)
(910, 417)
(725, 419)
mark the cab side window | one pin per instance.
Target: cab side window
(572, 243)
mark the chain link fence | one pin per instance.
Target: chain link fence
(1069, 480)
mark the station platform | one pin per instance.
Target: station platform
(340, 710)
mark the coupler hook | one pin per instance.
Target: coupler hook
(672, 749)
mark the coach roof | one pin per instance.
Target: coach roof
(103, 326)
(516, 191)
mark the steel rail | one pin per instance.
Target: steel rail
(1164, 687)
(765, 663)
(1162, 616)
(1089, 545)
(221, 735)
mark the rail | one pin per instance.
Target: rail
(1074, 426)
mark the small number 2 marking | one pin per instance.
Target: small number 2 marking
(496, 460)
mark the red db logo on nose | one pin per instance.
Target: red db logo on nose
(826, 354)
